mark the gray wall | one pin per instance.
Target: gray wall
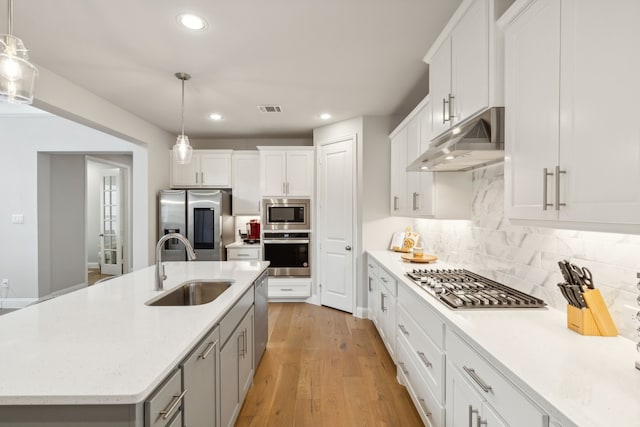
(246, 143)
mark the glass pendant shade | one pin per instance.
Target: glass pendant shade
(182, 151)
(17, 74)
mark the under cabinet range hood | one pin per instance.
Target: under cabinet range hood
(472, 143)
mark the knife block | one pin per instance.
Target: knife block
(594, 320)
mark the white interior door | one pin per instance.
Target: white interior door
(335, 214)
(110, 222)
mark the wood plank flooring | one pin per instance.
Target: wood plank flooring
(324, 367)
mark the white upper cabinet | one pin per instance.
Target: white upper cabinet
(428, 194)
(246, 183)
(464, 65)
(286, 171)
(571, 88)
(207, 169)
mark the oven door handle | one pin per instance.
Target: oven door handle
(286, 241)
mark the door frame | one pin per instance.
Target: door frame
(355, 252)
(127, 243)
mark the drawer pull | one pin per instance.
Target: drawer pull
(205, 353)
(403, 369)
(471, 413)
(382, 297)
(480, 421)
(286, 289)
(424, 359)
(384, 279)
(472, 373)
(426, 410)
(243, 255)
(403, 329)
(173, 405)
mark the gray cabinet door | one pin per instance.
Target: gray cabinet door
(199, 374)
(229, 385)
(245, 358)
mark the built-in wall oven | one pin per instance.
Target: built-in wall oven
(286, 214)
(288, 252)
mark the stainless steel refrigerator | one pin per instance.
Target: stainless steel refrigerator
(202, 216)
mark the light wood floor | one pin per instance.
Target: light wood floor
(324, 367)
(93, 275)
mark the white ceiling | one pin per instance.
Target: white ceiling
(345, 57)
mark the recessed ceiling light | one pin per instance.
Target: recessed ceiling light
(192, 22)
(325, 116)
(215, 116)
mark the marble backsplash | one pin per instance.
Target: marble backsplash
(526, 257)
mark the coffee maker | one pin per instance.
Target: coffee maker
(253, 231)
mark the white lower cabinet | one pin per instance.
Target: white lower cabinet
(478, 395)
(200, 381)
(289, 287)
(236, 370)
(373, 295)
(243, 253)
(388, 291)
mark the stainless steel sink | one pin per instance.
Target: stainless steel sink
(194, 292)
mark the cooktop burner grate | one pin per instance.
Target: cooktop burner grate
(462, 289)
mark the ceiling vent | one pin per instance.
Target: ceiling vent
(270, 108)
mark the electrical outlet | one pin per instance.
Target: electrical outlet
(4, 283)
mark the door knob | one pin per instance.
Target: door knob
(348, 247)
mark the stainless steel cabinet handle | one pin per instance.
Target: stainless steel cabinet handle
(173, 405)
(384, 279)
(418, 203)
(288, 187)
(286, 289)
(444, 109)
(201, 177)
(424, 359)
(558, 173)
(196, 177)
(245, 347)
(243, 255)
(451, 115)
(471, 413)
(426, 410)
(347, 248)
(284, 191)
(370, 288)
(545, 175)
(382, 297)
(205, 353)
(414, 200)
(396, 201)
(480, 421)
(401, 364)
(472, 373)
(403, 329)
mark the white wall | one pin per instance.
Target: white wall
(245, 143)
(24, 137)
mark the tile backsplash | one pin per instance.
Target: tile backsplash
(526, 258)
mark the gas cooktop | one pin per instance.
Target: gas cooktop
(462, 289)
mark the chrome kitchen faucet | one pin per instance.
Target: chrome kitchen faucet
(160, 276)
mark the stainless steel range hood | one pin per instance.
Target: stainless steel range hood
(473, 143)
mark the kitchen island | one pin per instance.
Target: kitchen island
(559, 376)
(103, 345)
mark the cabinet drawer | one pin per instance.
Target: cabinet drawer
(423, 315)
(388, 281)
(235, 315)
(239, 254)
(428, 406)
(427, 356)
(504, 397)
(289, 288)
(372, 267)
(165, 402)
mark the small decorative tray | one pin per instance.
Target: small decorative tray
(423, 258)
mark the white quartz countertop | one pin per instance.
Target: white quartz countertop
(243, 245)
(587, 381)
(102, 344)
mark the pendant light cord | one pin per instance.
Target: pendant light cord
(10, 18)
(182, 117)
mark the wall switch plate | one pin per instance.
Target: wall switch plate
(17, 219)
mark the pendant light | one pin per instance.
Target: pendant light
(182, 151)
(17, 74)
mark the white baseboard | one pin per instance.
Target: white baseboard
(313, 299)
(16, 302)
(361, 312)
(91, 265)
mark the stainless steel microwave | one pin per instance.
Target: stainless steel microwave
(286, 214)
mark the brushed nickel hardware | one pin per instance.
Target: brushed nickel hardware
(284, 191)
(196, 177)
(403, 329)
(424, 359)
(444, 109)
(382, 297)
(286, 289)
(403, 368)
(472, 373)
(370, 288)
(396, 201)
(558, 173)
(426, 410)
(545, 175)
(207, 351)
(480, 421)
(173, 405)
(451, 115)
(347, 248)
(418, 203)
(471, 413)
(201, 177)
